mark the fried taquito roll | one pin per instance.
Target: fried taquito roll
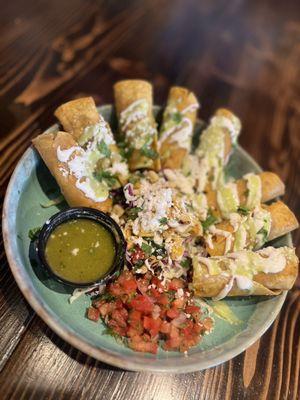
(216, 143)
(247, 193)
(76, 115)
(265, 272)
(250, 230)
(177, 127)
(82, 120)
(66, 162)
(134, 102)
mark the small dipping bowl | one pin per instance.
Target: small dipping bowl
(83, 213)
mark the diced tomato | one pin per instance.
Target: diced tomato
(137, 255)
(129, 286)
(131, 332)
(119, 318)
(124, 276)
(173, 313)
(135, 320)
(197, 328)
(115, 289)
(142, 346)
(124, 313)
(174, 332)
(207, 324)
(192, 309)
(172, 344)
(98, 302)
(119, 330)
(165, 327)
(154, 293)
(176, 284)
(107, 308)
(143, 284)
(145, 314)
(152, 325)
(119, 304)
(179, 303)
(188, 328)
(93, 314)
(163, 299)
(141, 303)
(157, 282)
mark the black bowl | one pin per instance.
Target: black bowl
(83, 213)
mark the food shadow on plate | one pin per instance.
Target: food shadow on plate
(245, 301)
(43, 275)
(49, 187)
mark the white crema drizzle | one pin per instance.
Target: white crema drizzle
(136, 123)
(181, 132)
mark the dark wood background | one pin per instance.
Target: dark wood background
(241, 54)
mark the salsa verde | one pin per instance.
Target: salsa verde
(80, 251)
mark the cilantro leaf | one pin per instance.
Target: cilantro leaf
(149, 152)
(107, 297)
(33, 233)
(125, 150)
(106, 176)
(163, 221)
(177, 117)
(264, 233)
(186, 263)
(104, 149)
(132, 213)
(243, 210)
(146, 248)
(210, 220)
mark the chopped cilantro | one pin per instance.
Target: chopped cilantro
(243, 210)
(106, 176)
(186, 263)
(163, 221)
(149, 152)
(146, 248)
(177, 117)
(33, 233)
(264, 233)
(104, 149)
(210, 220)
(138, 264)
(157, 249)
(125, 150)
(132, 213)
(107, 297)
(109, 331)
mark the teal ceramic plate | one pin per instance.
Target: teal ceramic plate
(32, 185)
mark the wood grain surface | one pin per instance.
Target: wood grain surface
(244, 55)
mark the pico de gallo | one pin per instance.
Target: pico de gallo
(145, 312)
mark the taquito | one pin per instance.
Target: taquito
(265, 272)
(76, 115)
(177, 127)
(85, 161)
(216, 143)
(134, 102)
(48, 144)
(250, 231)
(247, 192)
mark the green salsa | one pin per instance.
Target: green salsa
(80, 251)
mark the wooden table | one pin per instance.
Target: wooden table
(241, 54)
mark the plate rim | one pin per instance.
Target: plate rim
(102, 354)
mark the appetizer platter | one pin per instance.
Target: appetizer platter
(154, 239)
